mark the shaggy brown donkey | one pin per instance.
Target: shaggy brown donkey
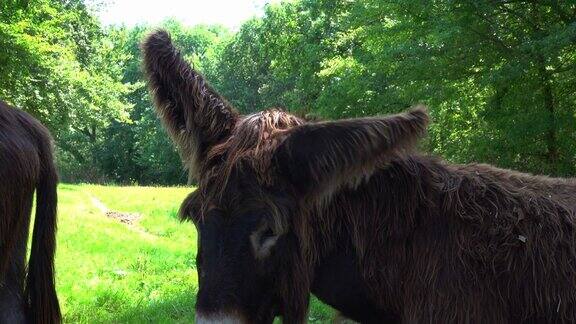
(344, 210)
(26, 165)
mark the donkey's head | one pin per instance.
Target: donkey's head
(258, 176)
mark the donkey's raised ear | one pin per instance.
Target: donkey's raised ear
(320, 158)
(195, 116)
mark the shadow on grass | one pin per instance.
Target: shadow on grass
(177, 309)
(180, 309)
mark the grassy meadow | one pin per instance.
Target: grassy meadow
(124, 257)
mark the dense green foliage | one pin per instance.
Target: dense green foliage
(499, 77)
(57, 63)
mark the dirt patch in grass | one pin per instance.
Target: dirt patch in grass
(126, 218)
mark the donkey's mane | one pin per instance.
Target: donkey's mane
(251, 144)
(254, 139)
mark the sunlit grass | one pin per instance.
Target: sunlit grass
(111, 272)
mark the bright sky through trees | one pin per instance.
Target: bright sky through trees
(230, 13)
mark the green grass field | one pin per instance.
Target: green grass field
(112, 272)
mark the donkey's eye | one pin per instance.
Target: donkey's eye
(263, 240)
(266, 235)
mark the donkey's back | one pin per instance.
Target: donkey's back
(491, 244)
(562, 190)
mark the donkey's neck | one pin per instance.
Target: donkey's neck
(388, 205)
(358, 229)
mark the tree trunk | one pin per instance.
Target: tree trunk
(549, 105)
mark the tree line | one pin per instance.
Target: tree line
(499, 77)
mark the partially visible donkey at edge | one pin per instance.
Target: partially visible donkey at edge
(344, 210)
(27, 294)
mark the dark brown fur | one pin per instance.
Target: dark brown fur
(431, 241)
(26, 166)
